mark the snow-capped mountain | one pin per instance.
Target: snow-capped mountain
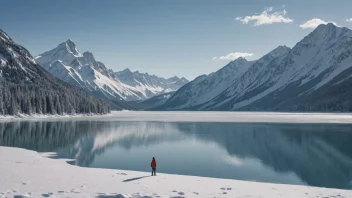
(25, 87)
(82, 70)
(150, 85)
(204, 88)
(257, 78)
(314, 76)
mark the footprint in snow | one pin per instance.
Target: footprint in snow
(23, 196)
(224, 193)
(83, 186)
(75, 191)
(121, 174)
(181, 193)
(228, 188)
(45, 195)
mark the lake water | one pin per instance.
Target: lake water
(304, 154)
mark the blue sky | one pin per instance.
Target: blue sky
(163, 37)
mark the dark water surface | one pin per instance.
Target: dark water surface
(305, 154)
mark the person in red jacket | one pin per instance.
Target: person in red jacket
(153, 165)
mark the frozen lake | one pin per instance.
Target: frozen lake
(268, 147)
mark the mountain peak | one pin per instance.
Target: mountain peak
(328, 30)
(325, 33)
(69, 41)
(326, 27)
(331, 24)
(174, 78)
(282, 49)
(70, 47)
(127, 70)
(70, 44)
(4, 36)
(240, 60)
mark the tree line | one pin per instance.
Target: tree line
(37, 99)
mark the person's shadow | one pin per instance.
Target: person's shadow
(136, 178)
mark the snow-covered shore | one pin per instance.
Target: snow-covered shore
(25, 173)
(225, 116)
(198, 116)
(47, 116)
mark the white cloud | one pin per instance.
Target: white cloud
(233, 56)
(266, 17)
(313, 23)
(349, 20)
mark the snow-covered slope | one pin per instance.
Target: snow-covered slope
(82, 70)
(314, 76)
(150, 85)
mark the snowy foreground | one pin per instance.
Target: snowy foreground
(198, 116)
(25, 173)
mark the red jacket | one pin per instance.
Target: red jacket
(153, 164)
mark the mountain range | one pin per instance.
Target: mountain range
(150, 84)
(83, 71)
(315, 75)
